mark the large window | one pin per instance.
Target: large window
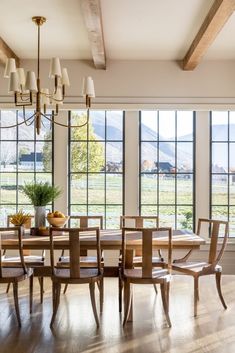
(223, 167)
(96, 165)
(24, 157)
(167, 167)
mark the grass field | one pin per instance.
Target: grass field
(96, 196)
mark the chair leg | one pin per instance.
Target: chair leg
(8, 287)
(101, 288)
(30, 294)
(56, 300)
(15, 292)
(196, 296)
(155, 288)
(120, 288)
(65, 288)
(218, 285)
(93, 303)
(41, 281)
(127, 301)
(165, 301)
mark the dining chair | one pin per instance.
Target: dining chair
(75, 273)
(34, 261)
(86, 261)
(140, 222)
(16, 274)
(197, 269)
(146, 274)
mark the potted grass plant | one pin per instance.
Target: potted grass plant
(41, 194)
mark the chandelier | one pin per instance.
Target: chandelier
(28, 92)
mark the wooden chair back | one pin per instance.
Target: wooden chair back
(75, 235)
(214, 228)
(84, 220)
(27, 225)
(19, 232)
(138, 221)
(147, 247)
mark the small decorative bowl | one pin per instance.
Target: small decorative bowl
(57, 221)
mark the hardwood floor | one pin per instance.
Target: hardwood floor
(75, 329)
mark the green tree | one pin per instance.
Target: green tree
(80, 151)
(187, 222)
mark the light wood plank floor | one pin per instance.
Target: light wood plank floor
(75, 329)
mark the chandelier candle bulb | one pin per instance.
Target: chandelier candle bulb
(10, 67)
(45, 96)
(88, 87)
(21, 76)
(14, 83)
(31, 83)
(55, 68)
(65, 77)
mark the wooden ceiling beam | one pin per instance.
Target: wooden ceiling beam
(216, 18)
(93, 20)
(6, 52)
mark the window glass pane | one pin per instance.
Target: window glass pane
(232, 126)
(96, 156)
(26, 132)
(43, 160)
(44, 177)
(78, 210)
(220, 212)
(167, 157)
(8, 117)
(24, 178)
(8, 156)
(166, 125)
(184, 217)
(149, 126)
(219, 126)
(78, 156)
(8, 188)
(184, 125)
(113, 214)
(114, 125)
(232, 189)
(6, 210)
(219, 189)
(232, 157)
(78, 188)
(26, 156)
(149, 187)
(166, 189)
(167, 216)
(114, 157)
(149, 156)
(96, 189)
(185, 157)
(78, 117)
(185, 189)
(97, 125)
(232, 222)
(46, 131)
(114, 189)
(151, 210)
(219, 157)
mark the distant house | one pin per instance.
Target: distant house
(164, 167)
(27, 160)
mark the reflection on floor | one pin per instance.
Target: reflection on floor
(75, 329)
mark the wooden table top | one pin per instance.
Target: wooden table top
(109, 239)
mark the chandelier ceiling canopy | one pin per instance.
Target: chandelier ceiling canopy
(28, 92)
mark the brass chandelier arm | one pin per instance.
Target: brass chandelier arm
(68, 126)
(18, 124)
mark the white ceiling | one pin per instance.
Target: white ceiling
(133, 29)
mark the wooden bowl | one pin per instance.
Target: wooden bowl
(57, 221)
